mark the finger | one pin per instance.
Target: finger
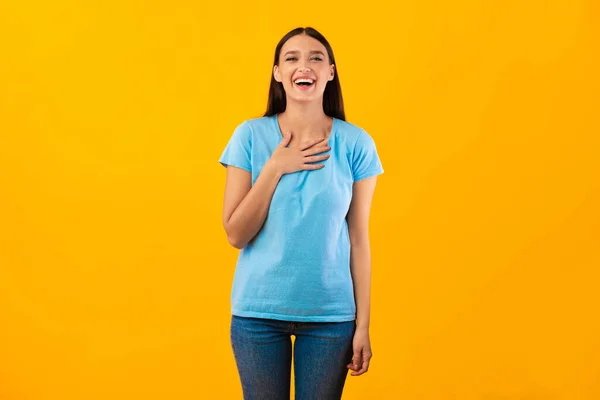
(366, 360)
(316, 158)
(364, 368)
(357, 360)
(287, 136)
(316, 150)
(310, 143)
(313, 166)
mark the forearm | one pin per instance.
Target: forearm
(360, 267)
(250, 214)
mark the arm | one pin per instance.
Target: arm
(360, 267)
(360, 251)
(245, 206)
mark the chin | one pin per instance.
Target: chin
(307, 98)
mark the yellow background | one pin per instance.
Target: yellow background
(115, 271)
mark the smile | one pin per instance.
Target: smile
(304, 83)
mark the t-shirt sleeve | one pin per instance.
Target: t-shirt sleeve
(365, 160)
(238, 151)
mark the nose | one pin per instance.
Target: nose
(304, 69)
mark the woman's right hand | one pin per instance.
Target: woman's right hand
(287, 160)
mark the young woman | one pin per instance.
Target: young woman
(300, 180)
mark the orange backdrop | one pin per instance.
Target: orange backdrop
(115, 271)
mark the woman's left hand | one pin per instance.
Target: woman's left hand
(361, 345)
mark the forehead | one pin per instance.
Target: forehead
(303, 43)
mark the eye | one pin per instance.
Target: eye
(290, 58)
(317, 58)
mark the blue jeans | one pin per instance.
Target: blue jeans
(263, 354)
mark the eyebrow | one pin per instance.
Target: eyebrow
(311, 52)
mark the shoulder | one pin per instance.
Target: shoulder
(256, 124)
(249, 128)
(355, 135)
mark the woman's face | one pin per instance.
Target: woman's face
(303, 57)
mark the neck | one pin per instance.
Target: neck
(306, 120)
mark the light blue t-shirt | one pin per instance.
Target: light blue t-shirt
(297, 268)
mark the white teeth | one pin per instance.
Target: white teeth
(303, 80)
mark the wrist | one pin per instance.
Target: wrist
(272, 169)
(362, 326)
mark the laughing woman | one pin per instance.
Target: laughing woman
(300, 180)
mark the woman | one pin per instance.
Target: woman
(300, 180)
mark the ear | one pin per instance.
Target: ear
(331, 72)
(276, 73)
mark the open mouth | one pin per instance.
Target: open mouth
(304, 83)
